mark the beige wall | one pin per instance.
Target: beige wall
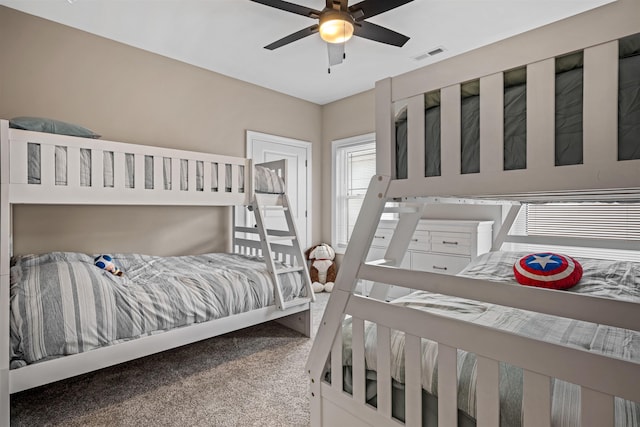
(127, 94)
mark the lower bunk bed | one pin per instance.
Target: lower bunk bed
(66, 316)
(601, 278)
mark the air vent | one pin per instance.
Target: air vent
(427, 54)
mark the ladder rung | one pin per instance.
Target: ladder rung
(274, 208)
(400, 209)
(288, 270)
(295, 302)
(273, 238)
(382, 261)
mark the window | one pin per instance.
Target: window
(353, 165)
(619, 221)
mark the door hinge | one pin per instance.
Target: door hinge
(305, 164)
(305, 214)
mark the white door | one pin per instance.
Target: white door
(265, 148)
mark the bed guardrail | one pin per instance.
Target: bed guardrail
(604, 165)
(47, 168)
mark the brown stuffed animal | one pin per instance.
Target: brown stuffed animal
(323, 268)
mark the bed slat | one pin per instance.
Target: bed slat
(221, 177)
(536, 399)
(384, 370)
(97, 169)
(447, 386)
(73, 167)
(139, 172)
(175, 174)
(206, 177)
(337, 380)
(540, 114)
(158, 173)
(118, 170)
(492, 123)
(47, 165)
(488, 392)
(450, 132)
(357, 357)
(415, 137)
(601, 105)
(596, 409)
(191, 173)
(413, 376)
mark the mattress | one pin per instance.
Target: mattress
(610, 279)
(266, 180)
(568, 118)
(62, 304)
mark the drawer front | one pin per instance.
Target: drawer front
(442, 264)
(451, 243)
(382, 237)
(420, 241)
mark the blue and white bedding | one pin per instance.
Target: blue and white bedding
(604, 278)
(62, 304)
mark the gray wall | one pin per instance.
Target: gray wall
(127, 94)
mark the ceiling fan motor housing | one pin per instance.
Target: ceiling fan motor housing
(336, 26)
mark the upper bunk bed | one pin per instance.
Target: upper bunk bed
(452, 133)
(67, 316)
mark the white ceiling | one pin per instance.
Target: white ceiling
(227, 36)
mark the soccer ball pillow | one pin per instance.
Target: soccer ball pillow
(105, 262)
(547, 270)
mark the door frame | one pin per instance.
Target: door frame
(251, 136)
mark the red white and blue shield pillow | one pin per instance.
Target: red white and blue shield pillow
(547, 270)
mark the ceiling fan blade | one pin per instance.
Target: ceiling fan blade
(336, 53)
(290, 7)
(380, 34)
(293, 37)
(368, 8)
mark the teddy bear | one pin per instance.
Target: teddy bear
(323, 268)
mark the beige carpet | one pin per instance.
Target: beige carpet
(252, 377)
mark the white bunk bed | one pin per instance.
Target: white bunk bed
(367, 349)
(72, 170)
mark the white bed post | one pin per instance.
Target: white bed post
(356, 253)
(5, 253)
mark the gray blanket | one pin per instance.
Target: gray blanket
(601, 277)
(62, 304)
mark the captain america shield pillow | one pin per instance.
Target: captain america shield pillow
(547, 270)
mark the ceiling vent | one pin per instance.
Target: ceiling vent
(432, 52)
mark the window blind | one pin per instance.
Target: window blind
(592, 220)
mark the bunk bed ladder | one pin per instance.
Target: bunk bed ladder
(409, 215)
(270, 238)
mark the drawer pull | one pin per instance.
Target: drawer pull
(435, 267)
(379, 237)
(444, 242)
(414, 240)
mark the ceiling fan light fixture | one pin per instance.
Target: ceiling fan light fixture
(336, 27)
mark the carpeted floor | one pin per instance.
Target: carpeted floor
(252, 377)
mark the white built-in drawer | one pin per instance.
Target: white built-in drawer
(451, 243)
(382, 237)
(434, 263)
(420, 241)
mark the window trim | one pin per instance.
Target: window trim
(336, 145)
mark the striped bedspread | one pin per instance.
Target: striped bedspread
(601, 277)
(62, 304)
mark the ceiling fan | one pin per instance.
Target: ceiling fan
(338, 22)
